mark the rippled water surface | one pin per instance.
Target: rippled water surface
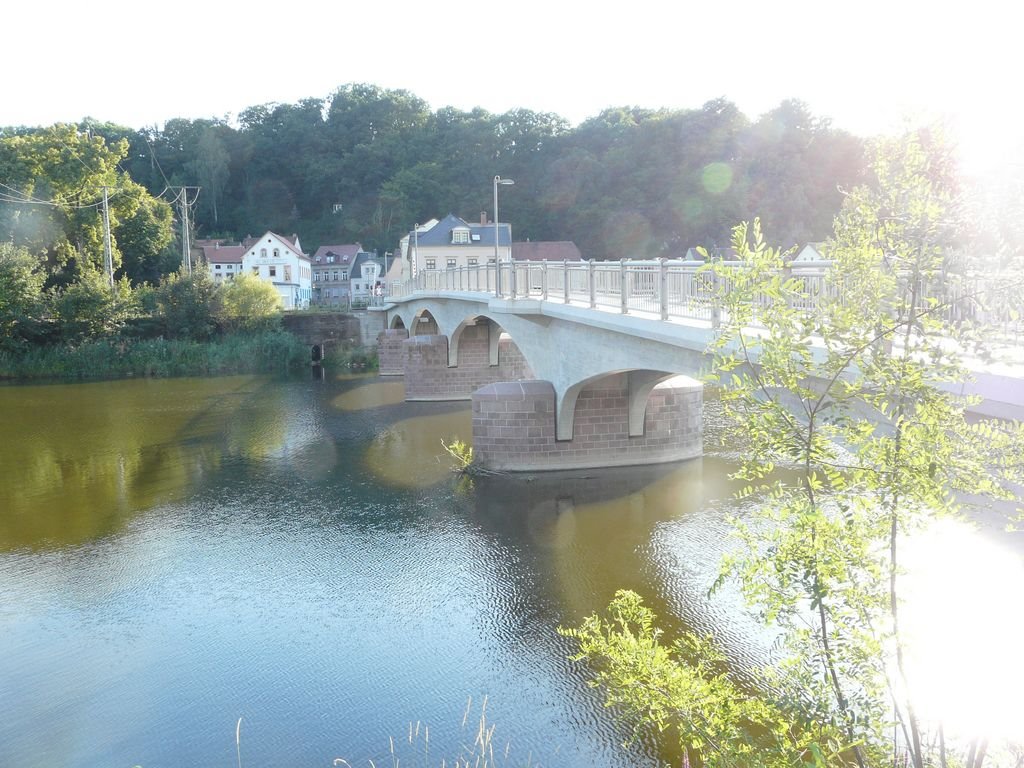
(177, 554)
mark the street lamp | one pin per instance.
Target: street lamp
(497, 264)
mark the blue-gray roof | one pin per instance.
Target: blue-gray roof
(361, 258)
(441, 233)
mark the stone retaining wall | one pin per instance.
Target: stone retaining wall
(514, 426)
(323, 329)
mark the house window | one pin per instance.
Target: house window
(431, 264)
(216, 266)
(330, 259)
(490, 260)
(460, 236)
(273, 271)
(451, 263)
(263, 253)
(256, 271)
(287, 273)
(472, 262)
(276, 253)
(335, 276)
(344, 274)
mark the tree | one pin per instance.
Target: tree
(211, 167)
(248, 304)
(90, 308)
(187, 305)
(21, 296)
(53, 182)
(849, 397)
(142, 226)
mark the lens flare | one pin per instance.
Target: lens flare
(964, 624)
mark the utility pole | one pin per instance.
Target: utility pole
(186, 250)
(108, 251)
(186, 253)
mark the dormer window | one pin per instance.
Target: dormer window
(330, 259)
(460, 236)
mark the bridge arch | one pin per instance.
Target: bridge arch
(397, 323)
(425, 323)
(499, 338)
(638, 385)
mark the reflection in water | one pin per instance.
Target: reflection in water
(370, 396)
(354, 376)
(82, 459)
(410, 453)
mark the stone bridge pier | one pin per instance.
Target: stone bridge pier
(514, 425)
(435, 369)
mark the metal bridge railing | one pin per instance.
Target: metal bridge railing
(679, 289)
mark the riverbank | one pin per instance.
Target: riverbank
(266, 352)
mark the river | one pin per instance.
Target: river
(179, 554)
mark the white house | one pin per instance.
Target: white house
(280, 261)
(811, 252)
(367, 273)
(223, 261)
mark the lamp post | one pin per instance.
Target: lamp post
(497, 264)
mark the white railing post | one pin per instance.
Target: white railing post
(544, 280)
(565, 279)
(716, 309)
(623, 297)
(663, 287)
(591, 274)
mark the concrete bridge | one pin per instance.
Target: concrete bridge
(564, 372)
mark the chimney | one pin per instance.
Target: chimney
(483, 217)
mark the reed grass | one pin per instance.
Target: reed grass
(478, 753)
(267, 352)
(352, 358)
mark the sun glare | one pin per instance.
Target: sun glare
(963, 616)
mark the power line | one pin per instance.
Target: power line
(23, 198)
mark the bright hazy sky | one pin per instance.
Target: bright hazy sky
(868, 65)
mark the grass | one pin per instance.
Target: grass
(267, 352)
(352, 357)
(478, 754)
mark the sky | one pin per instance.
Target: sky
(870, 66)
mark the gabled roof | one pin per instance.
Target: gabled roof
(480, 234)
(250, 243)
(345, 253)
(361, 258)
(223, 254)
(812, 252)
(552, 250)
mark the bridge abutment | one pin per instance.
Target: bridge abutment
(514, 425)
(389, 351)
(428, 375)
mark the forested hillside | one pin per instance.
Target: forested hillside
(629, 182)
